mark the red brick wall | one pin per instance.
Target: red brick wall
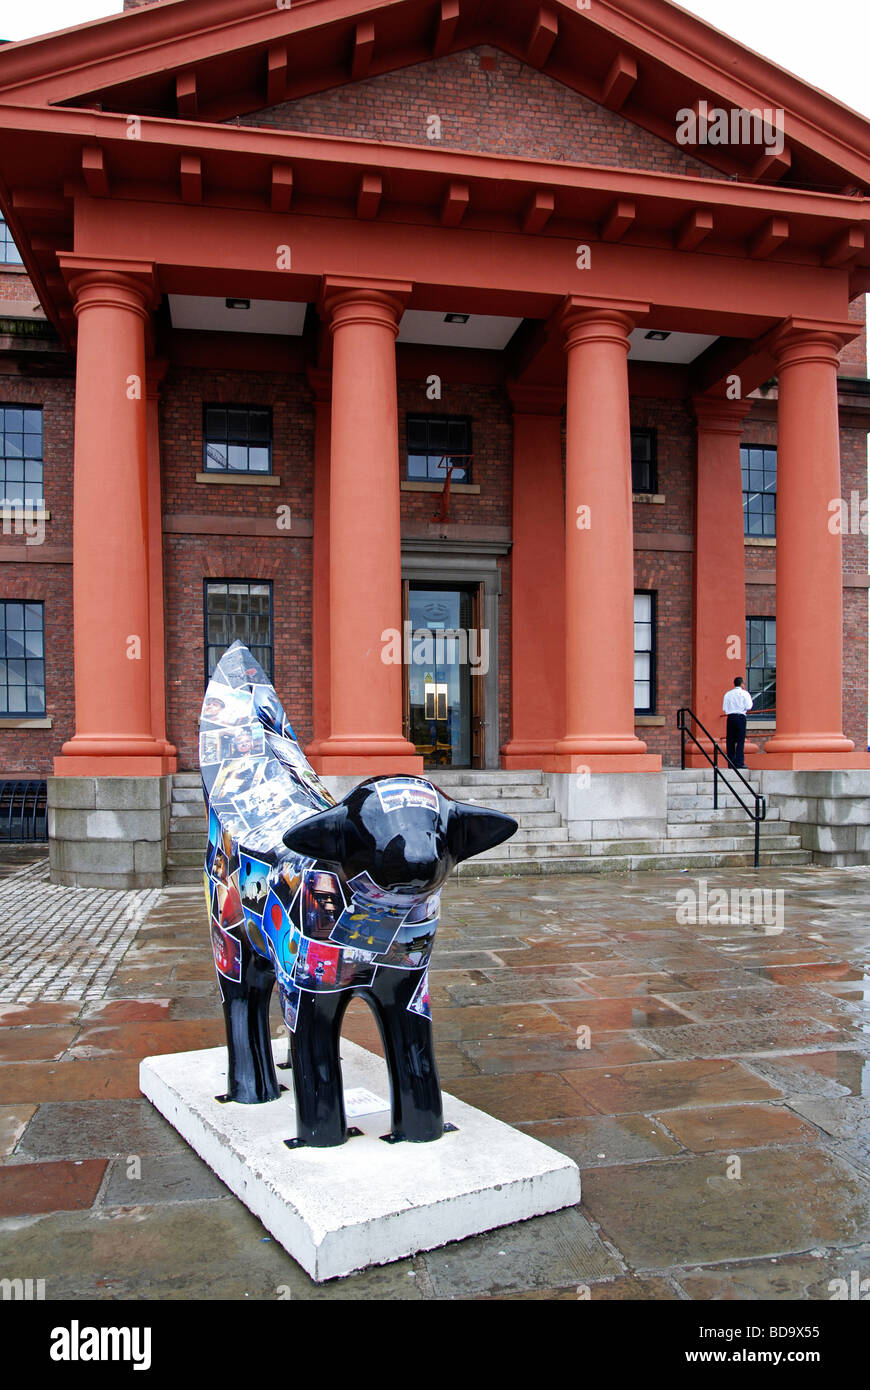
(32, 750)
(17, 295)
(511, 110)
(492, 443)
(853, 358)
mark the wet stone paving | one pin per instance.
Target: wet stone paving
(711, 1078)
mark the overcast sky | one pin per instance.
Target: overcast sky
(824, 43)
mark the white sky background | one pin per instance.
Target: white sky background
(824, 43)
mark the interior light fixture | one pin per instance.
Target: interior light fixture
(656, 336)
(456, 318)
(238, 303)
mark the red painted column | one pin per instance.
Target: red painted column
(537, 578)
(111, 584)
(321, 385)
(599, 557)
(719, 577)
(365, 558)
(809, 562)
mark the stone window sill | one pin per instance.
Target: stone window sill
(12, 268)
(25, 721)
(760, 726)
(656, 499)
(759, 540)
(240, 479)
(13, 513)
(649, 721)
(439, 487)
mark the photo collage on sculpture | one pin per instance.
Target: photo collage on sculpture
(320, 931)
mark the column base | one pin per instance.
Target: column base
(108, 831)
(370, 757)
(808, 761)
(602, 762)
(524, 754)
(83, 765)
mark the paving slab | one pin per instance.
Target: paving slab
(688, 1211)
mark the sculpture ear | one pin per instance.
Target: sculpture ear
(471, 829)
(321, 836)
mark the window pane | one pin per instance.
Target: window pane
(215, 423)
(417, 466)
(258, 460)
(238, 457)
(216, 455)
(259, 425)
(237, 424)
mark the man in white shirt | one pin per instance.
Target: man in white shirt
(735, 704)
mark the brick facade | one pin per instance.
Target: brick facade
(500, 107)
(507, 109)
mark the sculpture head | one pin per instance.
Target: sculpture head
(401, 831)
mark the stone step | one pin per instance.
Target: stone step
(516, 806)
(179, 840)
(188, 825)
(705, 799)
(184, 810)
(185, 794)
(184, 858)
(700, 815)
(741, 825)
(479, 777)
(705, 774)
(495, 793)
(539, 835)
(186, 779)
(483, 867)
(742, 843)
(176, 877)
(530, 820)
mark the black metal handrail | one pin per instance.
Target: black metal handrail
(759, 812)
(23, 810)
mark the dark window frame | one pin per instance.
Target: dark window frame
(749, 471)
(7, 243)
(30, 711)
(213, 438)
(766, 669)
(256, 648)
(433, 474)
(652, 595)
(648, 436)
(27, 461)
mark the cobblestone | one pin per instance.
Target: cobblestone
(63, 943)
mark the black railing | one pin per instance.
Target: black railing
(758, 811)
(22, 810)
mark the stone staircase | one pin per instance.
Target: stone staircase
(697, 836)
(188, 830)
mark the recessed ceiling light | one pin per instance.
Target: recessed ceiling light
(238, 303)
(656, 336)
(456, 318)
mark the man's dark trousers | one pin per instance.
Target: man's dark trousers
(735, 737)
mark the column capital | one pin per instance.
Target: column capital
(534, 399)
(358, 299)
(584, 318)
(799, 340)
(106, 282)
(719, 416)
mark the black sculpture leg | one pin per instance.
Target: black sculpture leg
(416, 1094)
(251, 1071)
(314, 1052)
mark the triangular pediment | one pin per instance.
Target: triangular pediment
(638, 61)
(486, 101)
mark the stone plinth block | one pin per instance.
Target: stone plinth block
(366, 1202)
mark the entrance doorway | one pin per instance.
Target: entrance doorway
(445, 667)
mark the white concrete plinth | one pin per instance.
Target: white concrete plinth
(365, 1202)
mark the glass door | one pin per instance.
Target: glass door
(441, 710)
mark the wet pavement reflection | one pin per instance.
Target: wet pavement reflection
(708, 1071)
